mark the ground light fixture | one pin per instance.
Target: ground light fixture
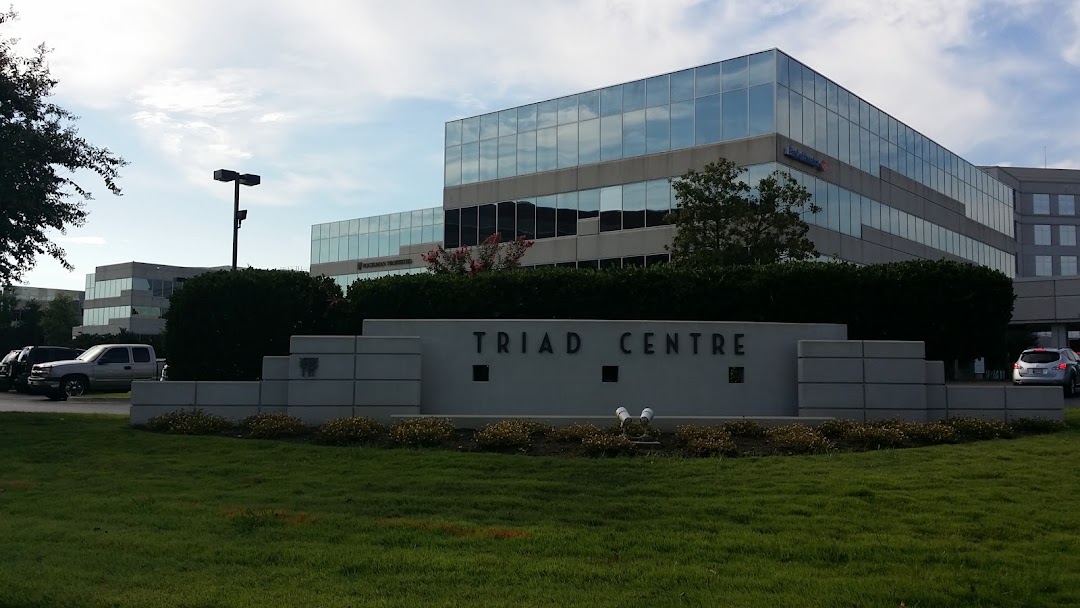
(239, 215)
(646, 437)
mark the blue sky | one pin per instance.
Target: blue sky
(340, 104)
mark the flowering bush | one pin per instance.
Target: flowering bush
(197, 422)
(798, 439)
(1037, 425)
(607, 445)
(347, 431)
(978, 428)
(574, 433)
(745, 428)
(489, 255)
(422, 432)
(875, 437)
(921, 433)
(836, 428)
(509, 434)
(633, 427)
(274, 426)
(705, 440)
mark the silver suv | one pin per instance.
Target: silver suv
(1053, 366)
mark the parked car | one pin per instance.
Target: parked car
(34, 355)
(1048, 366)
(105, 367)
(5, 370)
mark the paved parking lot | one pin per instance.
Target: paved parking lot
(14, 402)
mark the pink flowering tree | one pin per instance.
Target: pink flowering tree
(492, 254)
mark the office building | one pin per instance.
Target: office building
(132, 296)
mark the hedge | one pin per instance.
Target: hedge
(220, 325)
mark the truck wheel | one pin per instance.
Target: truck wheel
(73, 386)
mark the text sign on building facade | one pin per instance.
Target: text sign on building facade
(805, 158)
(384, 263)
(646, 343)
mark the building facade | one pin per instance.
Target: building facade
(132, 296)
(377, 246)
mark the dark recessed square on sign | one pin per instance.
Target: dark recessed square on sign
(736, 375)
(610, 373)
(480, 373)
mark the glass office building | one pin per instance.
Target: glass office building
(370, 247)
(132, 296)
(593, 168)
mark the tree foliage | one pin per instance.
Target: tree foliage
(721, 221)
(59, 316)
(40, 149)
(490, 255)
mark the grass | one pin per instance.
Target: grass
(126, 395)
(94, 513)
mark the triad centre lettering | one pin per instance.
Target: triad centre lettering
(629, 343)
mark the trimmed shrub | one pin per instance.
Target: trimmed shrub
(274, 426)
(920, 433)
(350, 431)
(978, 428)
(798, 439)
(574, 433)
(509, 434)
(1037, 426)
(875, 437)
(422, 432)
(705, 440)
(836, 429)
(197, 422)
(631, 428)
(243, 316)
(746, 428)
(607, 445)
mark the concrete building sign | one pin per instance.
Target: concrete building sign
(565, 371)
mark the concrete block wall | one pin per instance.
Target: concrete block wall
(1006, 403)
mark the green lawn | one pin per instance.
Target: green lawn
(94, 513)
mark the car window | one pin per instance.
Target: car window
(8, 358)
(140, 355)
(1040, 356)
(115, 355)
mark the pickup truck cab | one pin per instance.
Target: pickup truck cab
(102, 368)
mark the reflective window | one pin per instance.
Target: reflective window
(489, 126)
(545, 217)
(526, 153)
(707, 120)
(588, 141)
(682, 85)
(611, 137)
(736, 114)
(611, 208)
(1042, 234)
(633, 205)
(568, 145)
(633, 96)
(761, 109)
(682, 125)
(657, 130)
(1044, 266)
(1068, 265)
(734, 74)
(633, 133)
(1067, 235)
(547, 152)
(656, 91)
(1066, 204)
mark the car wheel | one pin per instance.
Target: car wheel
(1070, 386)
(73, 386)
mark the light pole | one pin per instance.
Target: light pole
(247, 179)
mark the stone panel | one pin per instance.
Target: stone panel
(388, 345)
(935, 415)
(273, 409)
(830, 370)
(303, 393)
(895, 397)
(984, 414)
(893, 349)
(843, 396)
(830, 348)
(1034, 398)
(935, 372)
(387, 367)
(972, 397)
(386, 414)
(275, 368)
(936, 398)
(858, 415)
(274, 393)
(1058, 415)
(150, 392)
(910, 415)
(895, 371)
(387, 392)
(323, 345)
(228, 394)
(330, 367)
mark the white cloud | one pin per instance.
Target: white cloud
(82, 240)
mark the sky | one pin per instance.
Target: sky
(340, 105)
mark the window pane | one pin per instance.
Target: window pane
(589, 203)
(526, 153)
(734, 73)
(611, 208)
(656, 91)
(526, 219)
(657, 130)
(736, 114)
(808, 114)
(487, 221)
(1068, 265)
(795, 114)
(470, 130)
(489, 126)
(568, 145)
(547, 114)
(682, 124)
(453, 134)
(507, 122)
(589, 141)
(762, 110)
(634, 205)
(489, 159)
(526, 119)
(1041, 204)
(611, 137)
(1042, 234)
(633, 96)
(611, 101)
(568, 109)
(707, 119)
(708, 80)
(762, 68)
(508, 156)
(545, 216)
(1066, 204)
(682, 85)
(452, 167)
(1067, 235)
(566, 214)
(468, 226)
(1044, 266)
(589, 105)
(657, 201)
(546, 150)
(634, 133)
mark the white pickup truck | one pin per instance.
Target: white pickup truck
(101, 368)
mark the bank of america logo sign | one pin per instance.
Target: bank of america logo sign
(805, 158)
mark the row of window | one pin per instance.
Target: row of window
(344, 280)
(1044, 266)
(113, 288)
(722, 117)
(813, 125)
(372, 245)
(1066, 234)
(107, 314)
(1066, 204)
(404, 220)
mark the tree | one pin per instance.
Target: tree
(721, 221)
(58, 318)
(39, 151)
(492, 254)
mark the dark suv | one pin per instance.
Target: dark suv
(5, 370)
(31, 356)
